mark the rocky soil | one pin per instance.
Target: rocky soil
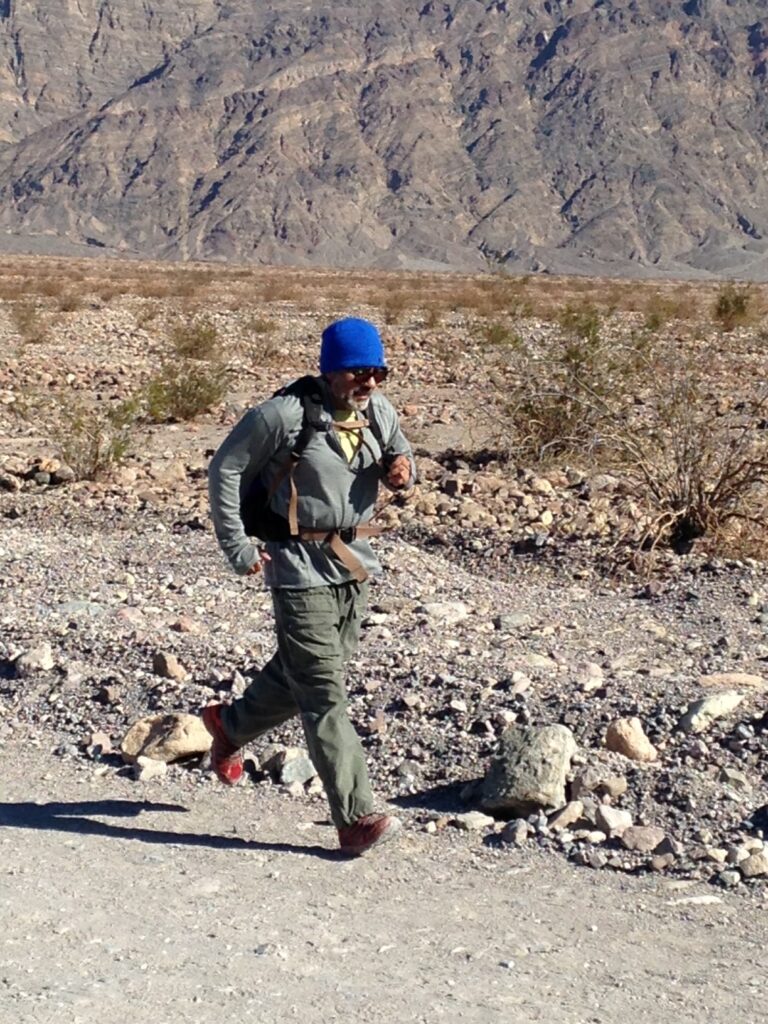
(496, 609)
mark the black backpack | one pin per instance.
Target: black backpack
(258, 517)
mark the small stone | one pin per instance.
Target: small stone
(146, 768)
(736, 854)
(642, 838)
(37, 659)
(596, 837)
(529, 770)
(729, 878)
(168, 667)
(566, 816)
(596, 859)
(702, 713)
(473, 821)
(289, 765)
(626, 736)
(612, 820)
(755, 866)
(445, 613)
(734, 679)
(166, 738)
(662, 861)
(515, 832)
(186, 624)
(734, 778)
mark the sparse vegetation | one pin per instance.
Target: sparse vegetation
(183, 389)
(91, 437)
(196, 339)
(29, 323)
(733, 306)
(698, 471)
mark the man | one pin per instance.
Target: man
(345, 438)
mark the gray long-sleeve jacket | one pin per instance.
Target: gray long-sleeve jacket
(333, 493)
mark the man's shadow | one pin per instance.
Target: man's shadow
(75, 817)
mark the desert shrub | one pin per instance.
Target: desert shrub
(196, 339)
(258, 346)
(559, 396)
(70, 302)
(184, 388)
(260, 325)
(695, 469)
(498, 334)
(393, 305)
(29, 323)
(92, 437)
(733, 306)
(147, 314)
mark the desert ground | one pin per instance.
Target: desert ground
(586, 545)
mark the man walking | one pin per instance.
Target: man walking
(306, 464)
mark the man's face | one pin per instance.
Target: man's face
(352, 389)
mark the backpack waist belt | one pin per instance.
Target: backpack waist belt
(337, 541)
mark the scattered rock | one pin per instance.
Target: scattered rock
(566, 816)
(147, 768)
(473, 821)
(168, 667)
(166, 738)
(642, 838)
(529, 770)
(626, 736)
(38, 659)
(702, 713)
(613, 820)
(755, 865)
(291, 764)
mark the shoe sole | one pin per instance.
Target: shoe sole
(394, 827)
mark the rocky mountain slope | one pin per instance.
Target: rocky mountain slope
(576, 135)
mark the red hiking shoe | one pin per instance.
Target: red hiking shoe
(366, 832)
(226, 760)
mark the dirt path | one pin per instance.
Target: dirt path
(170, 902)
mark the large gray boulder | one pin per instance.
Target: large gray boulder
(529, 770)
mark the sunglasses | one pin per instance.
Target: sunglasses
(360, 373)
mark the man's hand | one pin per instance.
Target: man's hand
(259, 565)
(399, 471)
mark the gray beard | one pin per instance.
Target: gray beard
(357, 404)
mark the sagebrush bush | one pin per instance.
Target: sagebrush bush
(91, 437)
(733, 306)
(698, 470)
(29, 323)
(196, 339)
(184, 388)
(560, 395)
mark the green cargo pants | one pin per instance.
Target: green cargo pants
(317, 633)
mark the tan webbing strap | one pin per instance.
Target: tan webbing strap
(293, 506)
(350, 562)
(332, 538)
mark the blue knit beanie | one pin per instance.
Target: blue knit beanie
(349, 343)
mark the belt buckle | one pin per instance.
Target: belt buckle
(348, 534)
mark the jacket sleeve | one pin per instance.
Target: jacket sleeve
(395, 442)
(245, 452)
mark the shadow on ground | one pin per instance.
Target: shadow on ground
(76, 817)
(444, 799)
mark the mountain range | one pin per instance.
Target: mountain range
(584, 136)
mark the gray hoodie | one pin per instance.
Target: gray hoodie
(333, 493)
